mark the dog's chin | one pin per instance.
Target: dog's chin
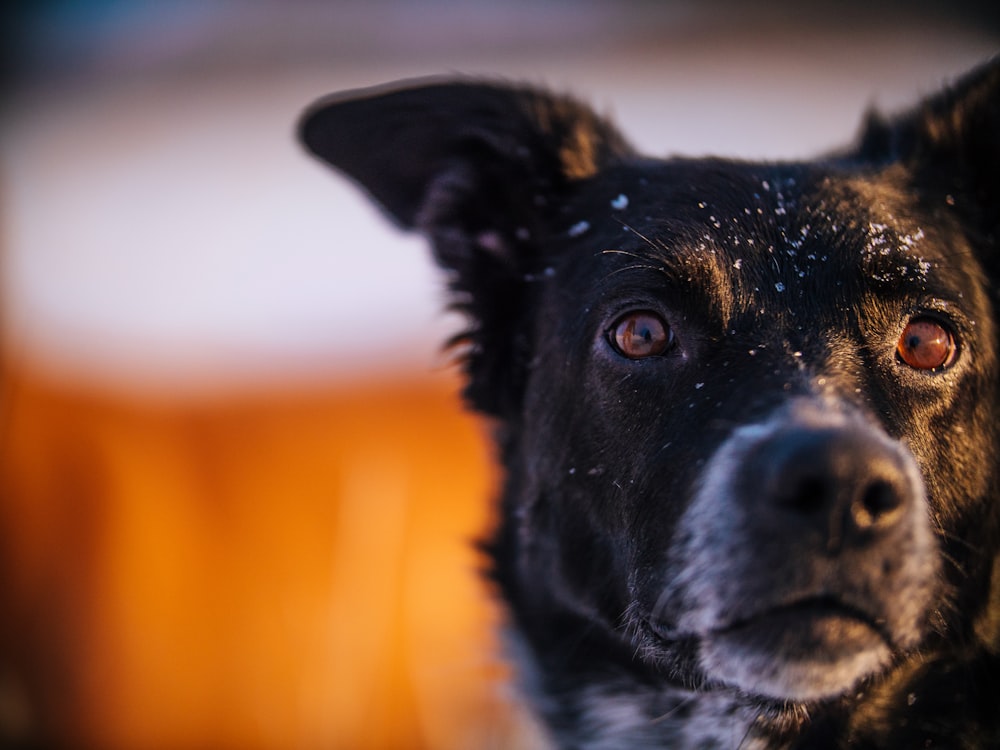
(805, 652)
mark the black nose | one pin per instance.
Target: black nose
(845, 482)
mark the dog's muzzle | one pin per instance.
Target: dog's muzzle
(806, 558)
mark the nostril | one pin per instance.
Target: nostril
(876, 504)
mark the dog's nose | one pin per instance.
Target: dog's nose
(844, 481)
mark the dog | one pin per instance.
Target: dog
(746, 412)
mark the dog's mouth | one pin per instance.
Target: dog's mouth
(815, 628)
(806, 649)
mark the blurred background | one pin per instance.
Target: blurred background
(238, 494)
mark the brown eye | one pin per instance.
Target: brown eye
(926, 345)
(641, 334)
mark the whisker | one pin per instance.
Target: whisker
(952, 537)
(745, 737)
(674, 711)
(641, 236)
(635, 267)
(958, 566)
(622, 252)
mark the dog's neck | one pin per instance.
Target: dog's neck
(608, 714)
(666, 718)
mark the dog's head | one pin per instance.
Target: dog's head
(747, 411)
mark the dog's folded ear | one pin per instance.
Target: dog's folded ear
(424, 149)
(950, 143)
(477, 167)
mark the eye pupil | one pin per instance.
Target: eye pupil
(926, 345)
(638, 335)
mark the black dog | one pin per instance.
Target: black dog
(747, 412)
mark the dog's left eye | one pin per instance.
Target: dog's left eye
(640, 334)
(926, 344)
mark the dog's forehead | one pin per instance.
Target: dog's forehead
(772, 231)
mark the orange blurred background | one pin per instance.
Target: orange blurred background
(275, 570)
(238, 493)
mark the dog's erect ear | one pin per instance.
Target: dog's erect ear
(951, 144)
(477, 168)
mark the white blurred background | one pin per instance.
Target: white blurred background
(163, 229)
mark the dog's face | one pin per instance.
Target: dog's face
(747, 412)
(756, 398)
(747, 418)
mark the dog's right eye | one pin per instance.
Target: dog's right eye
(640, 334)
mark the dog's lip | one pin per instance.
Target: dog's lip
(821, 607)
(809, 610)
(803, 609)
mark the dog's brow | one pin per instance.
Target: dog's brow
(684, 264)
(891, 258)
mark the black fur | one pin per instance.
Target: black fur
(777, 529)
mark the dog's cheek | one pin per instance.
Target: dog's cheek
(961, 486)
(569, 531)
(592, 563)
(567, 557)
(949, 441)
(642, 462)
(592, 512)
